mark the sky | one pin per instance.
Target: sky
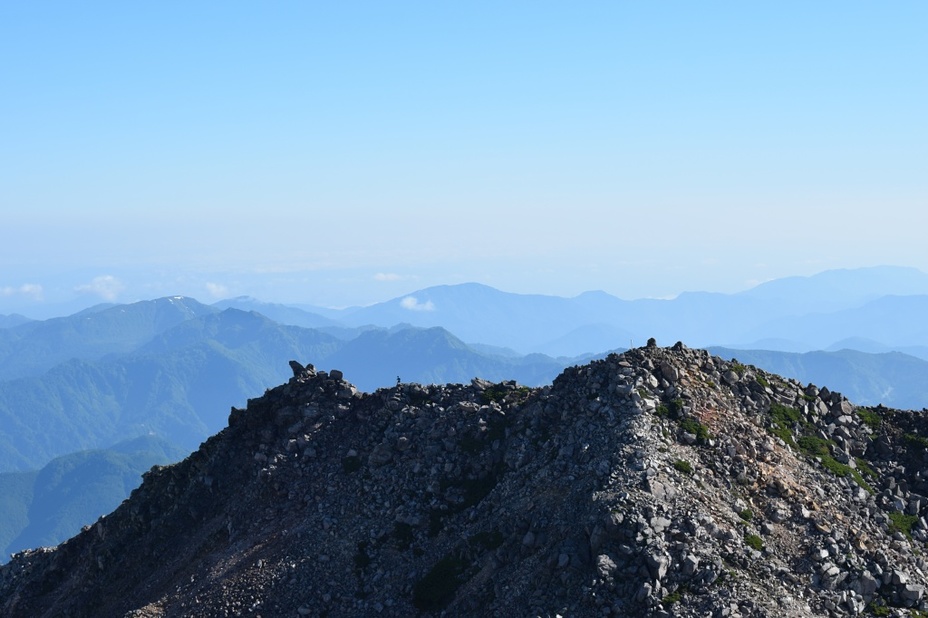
(345, 153)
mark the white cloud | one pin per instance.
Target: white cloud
(106, 287)
(217, 290)
(387, 277)
(32, 290)
(411, 303)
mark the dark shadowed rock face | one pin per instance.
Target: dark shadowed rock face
(661, 482)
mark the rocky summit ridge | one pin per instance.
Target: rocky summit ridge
(659, 482)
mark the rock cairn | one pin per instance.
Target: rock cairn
(659, 482)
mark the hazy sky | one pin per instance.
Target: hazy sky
(340, 153)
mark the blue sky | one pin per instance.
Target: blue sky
(345, 153)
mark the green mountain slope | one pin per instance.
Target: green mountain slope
(179, 387)
(35, 347)
(16, 491)
(45, 507)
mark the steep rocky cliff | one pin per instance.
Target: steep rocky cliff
(660, 482)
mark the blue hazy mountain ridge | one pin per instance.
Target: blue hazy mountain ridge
(16, 491)
(893, 379)
(45, 507)
(897, 322)
(433, 355)
(482, 314)
(473, 312)
(833, 290)
(285, 314)
(295, 315)
(13, 319)
(584, 338)
(34, 347)
(771, 311)
(863, 344)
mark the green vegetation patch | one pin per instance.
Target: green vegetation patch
(870, 417)
(859, 479)
(693, 426)
(672, 409)
(683, 466)
(902, 523)
(814, 446)
(672, 598)
(915, 440)
(864, 466)
(783, 418)
(499, 392)
(755, 542)
(784, 415)
(762, 381)
(746, 514)
(784, 434)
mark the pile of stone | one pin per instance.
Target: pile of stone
(660, 482)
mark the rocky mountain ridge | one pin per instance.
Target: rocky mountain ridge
(662, 481)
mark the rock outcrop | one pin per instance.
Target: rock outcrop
(661, 482)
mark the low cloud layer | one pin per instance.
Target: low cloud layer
(29, 290)
(106, 287)
(217, 290)
(412, 303)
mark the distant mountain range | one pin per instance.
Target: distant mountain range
(14, 319)
(170, 369)
(173, 366)
(878, 307)
(33, 347)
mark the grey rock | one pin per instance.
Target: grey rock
(605, 566)
(657, 564)
(912, 593)
(898, 578)
(690, 564)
